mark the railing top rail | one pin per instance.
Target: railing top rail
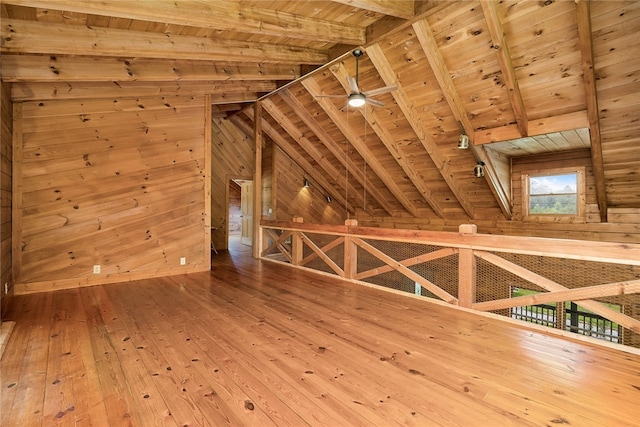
(618, 253)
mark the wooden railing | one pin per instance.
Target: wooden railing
(286, 242)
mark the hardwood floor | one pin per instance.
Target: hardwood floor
(256, 344)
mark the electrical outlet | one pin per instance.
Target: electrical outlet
(96, 269)
(183, 261)
(6, 288)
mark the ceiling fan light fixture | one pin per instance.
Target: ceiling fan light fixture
(356, 100)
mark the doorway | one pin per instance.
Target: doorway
(241, 211)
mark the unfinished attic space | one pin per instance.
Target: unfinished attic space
(320, 213)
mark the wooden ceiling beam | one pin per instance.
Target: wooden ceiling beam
(314, 89)
(491, 16)
(94, 90)
(374, 120)
(328, 167)
(335, 149)
(399, 8)
(214, 15)
(586, 48)
(564, 122)
(54, 68)
(384, 68)
(20, 36)
(436, 61)
(282, 142)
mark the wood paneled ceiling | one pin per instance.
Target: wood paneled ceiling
(520, 77)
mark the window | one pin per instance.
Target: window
(558, 193)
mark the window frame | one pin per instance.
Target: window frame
(580, 192)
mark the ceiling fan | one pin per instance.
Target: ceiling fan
(358, 98)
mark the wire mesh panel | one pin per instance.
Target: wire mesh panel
(442, 272)
(497, 283)
(336, 253)
(277, 242)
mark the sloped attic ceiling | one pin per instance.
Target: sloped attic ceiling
(517, 76)
(521, 78)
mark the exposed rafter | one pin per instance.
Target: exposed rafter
(33, 37)
(314, 89)
(354, 173)
(371, 116)
(490, 10)
(282, 142)
(327, 167)
(215, 15)
(436, 61)
(586, 48)
(385, 70)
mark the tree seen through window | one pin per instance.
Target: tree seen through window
(553, 194)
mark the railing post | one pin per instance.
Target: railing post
(297, 246)
(467, 270)
(350, 253)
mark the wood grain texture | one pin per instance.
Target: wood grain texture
(116, 183)
(278, 346)
(6, 195)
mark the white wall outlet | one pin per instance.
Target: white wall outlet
(183, 261)
(96, 269)
(6, 288)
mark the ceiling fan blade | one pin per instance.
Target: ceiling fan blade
(380, 91)
(331, 96)
(374, 102)
(353, 85)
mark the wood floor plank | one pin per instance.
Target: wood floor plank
(59, 396)
(260, 344)
(256, 380)
(28, 314)
(198, 403)
(29, 396)
(301, 362)
(143, 397)
(80, 365)
(114, 383)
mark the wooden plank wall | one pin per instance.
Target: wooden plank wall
(119, 182)
(5, 193)
(293, 199)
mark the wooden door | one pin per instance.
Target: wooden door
(246, 201)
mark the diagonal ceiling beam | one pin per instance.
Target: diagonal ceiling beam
(325, 164)
(215, 15)
(380, 62)
(314, 89)
(351, 170)
(441, 72)
(282, 142)
(586, 48)
(490, 10)
(371, 116)
(398, 8)
(20, 36)
(54, 68)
